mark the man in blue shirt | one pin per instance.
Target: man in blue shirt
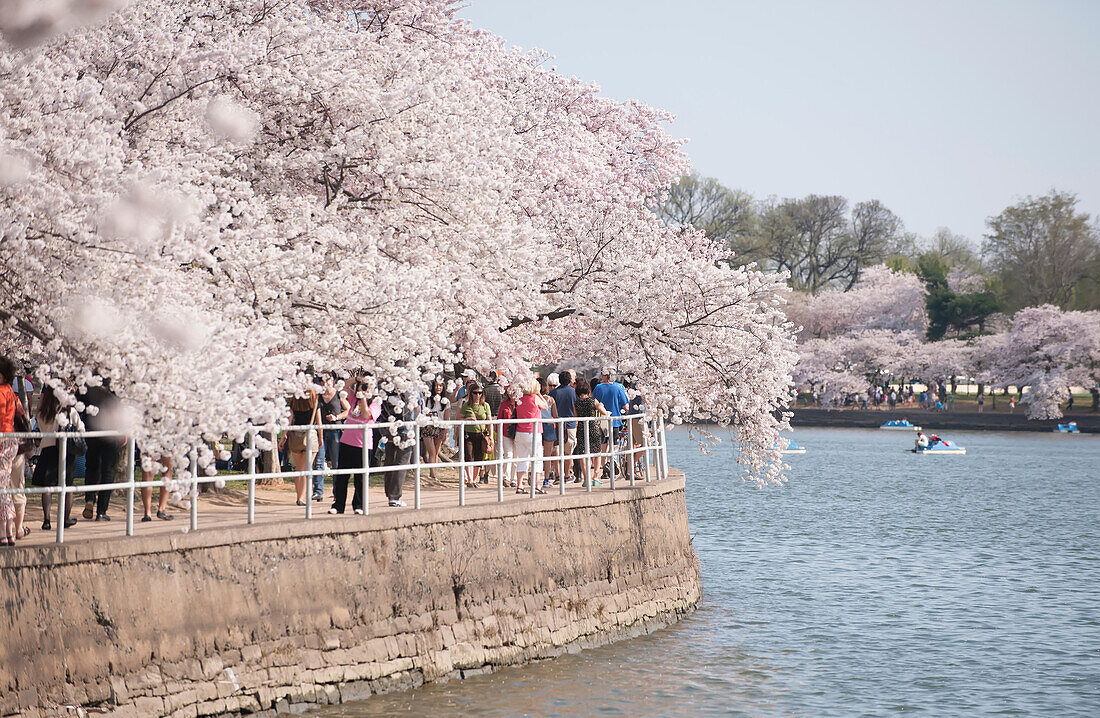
(612, 395)
(565, 396)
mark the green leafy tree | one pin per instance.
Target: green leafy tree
(727, 216)
(821, 245)
(1044, 251)
(963, 313)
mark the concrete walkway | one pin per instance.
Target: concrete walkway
(228, 509)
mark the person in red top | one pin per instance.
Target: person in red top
(507, 410)
(8, 449)
(528, 445)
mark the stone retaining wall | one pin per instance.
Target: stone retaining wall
(267, 619)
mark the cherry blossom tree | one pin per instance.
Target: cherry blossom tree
(198, 205)
(882, 299)
(852, 339)
(1047, 350)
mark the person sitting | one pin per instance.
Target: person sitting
(935, 440)
(922, 440)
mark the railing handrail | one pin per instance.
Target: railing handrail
(423, 420)
(653, 428)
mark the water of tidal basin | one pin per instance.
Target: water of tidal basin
(876, 582)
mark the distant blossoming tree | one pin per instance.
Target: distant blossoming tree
(851, 339)
(198, 204)
(1047, 350)
(882, 299)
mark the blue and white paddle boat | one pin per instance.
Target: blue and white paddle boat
(793, 448)
(1069, 428)
(900, 425)
(939, 447)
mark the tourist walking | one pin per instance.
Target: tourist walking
(476, 437)
(528, 443)
(149, 473)
(8, 449)
(565, 396)
(612, 395)
(102, 455)
(45, 474)
(493, 393)
(507, 446)
(549, 430)
(22, 423)
(399, 446)
(589, 434)
(434, 434)
(365, 410)
(303, 444)
(637, 427)
(463, 390)
(334, 409)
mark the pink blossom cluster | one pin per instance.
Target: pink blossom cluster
(850, 339)
(1048, 350)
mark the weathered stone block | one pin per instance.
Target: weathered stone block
(330, 640)
(211, 667)
(355, 691)
(150, 706)
(333, 674)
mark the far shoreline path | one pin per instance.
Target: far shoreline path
(1087, 422)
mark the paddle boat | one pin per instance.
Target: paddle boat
(793, 448)
(1070, 428)
(936, 445)
(900, 425)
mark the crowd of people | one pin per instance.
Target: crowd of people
(535, 456)
(538, 452)
(886, 396)
(90, 460)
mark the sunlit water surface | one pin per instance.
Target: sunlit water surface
(875, 582)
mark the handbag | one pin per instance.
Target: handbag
(22, 424)
(77, 445)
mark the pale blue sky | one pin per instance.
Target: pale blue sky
(947, 112)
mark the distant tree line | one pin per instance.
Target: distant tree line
(1041, 250)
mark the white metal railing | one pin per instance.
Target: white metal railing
(651, 454)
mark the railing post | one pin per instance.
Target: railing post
(416, 460)
(462, 465)
(535, 436)
(612, 445)
(62, 460)
(309, 468)
(645, 448)
(662, 451)
(586, 467)
(561, 456)
(366, 470)
(251, 477)
(499, 424)
(630, 443)
(194, 489)
(131, 446)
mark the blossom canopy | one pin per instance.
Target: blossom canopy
(198, 201)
